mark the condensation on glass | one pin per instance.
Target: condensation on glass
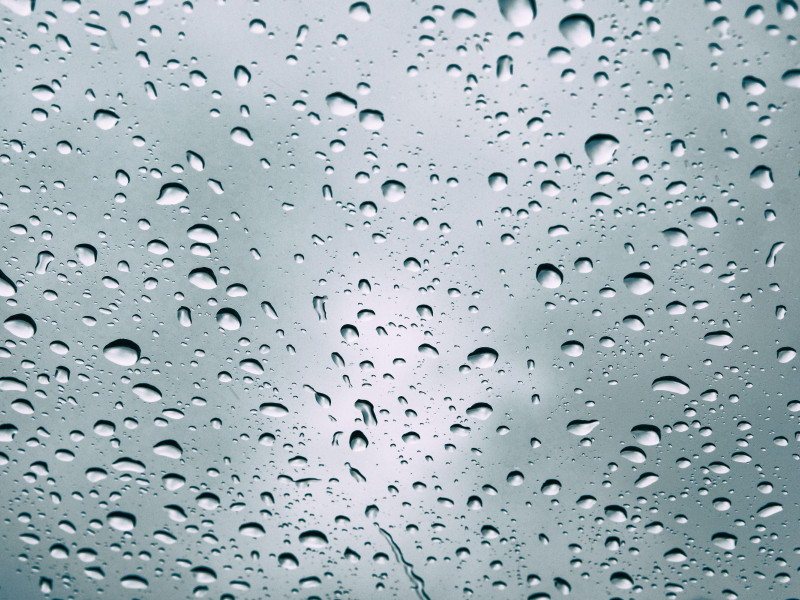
(492, 299)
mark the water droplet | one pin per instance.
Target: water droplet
(718, 338)
(769, 509)
(519, 13)
(147, 393)
(638, 283)
(480, 410)
(242, 76)
(549, 276)
(122, 352)
(7, 286)
(393, 191)
(515, 478)
(498, 181)
(273, 409)
(582, 427)
(358, 441)
(786, 354)
(551, 487)
(791, 78)
(600, 148)
(203, 278)
(723, 540)
(229, 319)
(572, 348)
(105, 119)
(633, 454)
(172, 193)
(762, 177)
(753, 86)
(463, 18)
(204, 234)
(646, 435)
(676, 238)
(360, 11)
(621, 580)
(121, 521)
(705, 217)
(168, 449)
(670, 384)
(578, 29)
(483, 358)
(241, 136)
(313, 539)
(20, 325)
(87, 254)
(341, 105)
(349, 333)
(252, 530)
(288, 561)
(371, 120)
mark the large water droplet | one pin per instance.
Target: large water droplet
(147, 392)
(791, 78)
(463, 18)
(498, 181)
(718, 338)
(121, 521)
(393, 191)
(676, 237)
(646, 435)
(172, 193)
(582, 427)
(638, 283)
(549, 276)
(313, 539)
(578, 29)
(480, 410)
(600, 148)
(105, 119)
(229, 319)
(670, 384)
(7, 286)
(518, 12)
(273, 409)
(241, 136)
(762, 177)
(753, 86)
(341, 105)
(360, 11)
(252, 530)
(483, 358)
(20, 325)
(122, 352)
(203, 278)
(358, 441)
(705, 217)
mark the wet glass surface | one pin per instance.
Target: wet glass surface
(399, 300)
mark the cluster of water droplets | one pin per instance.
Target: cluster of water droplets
(395, 300)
